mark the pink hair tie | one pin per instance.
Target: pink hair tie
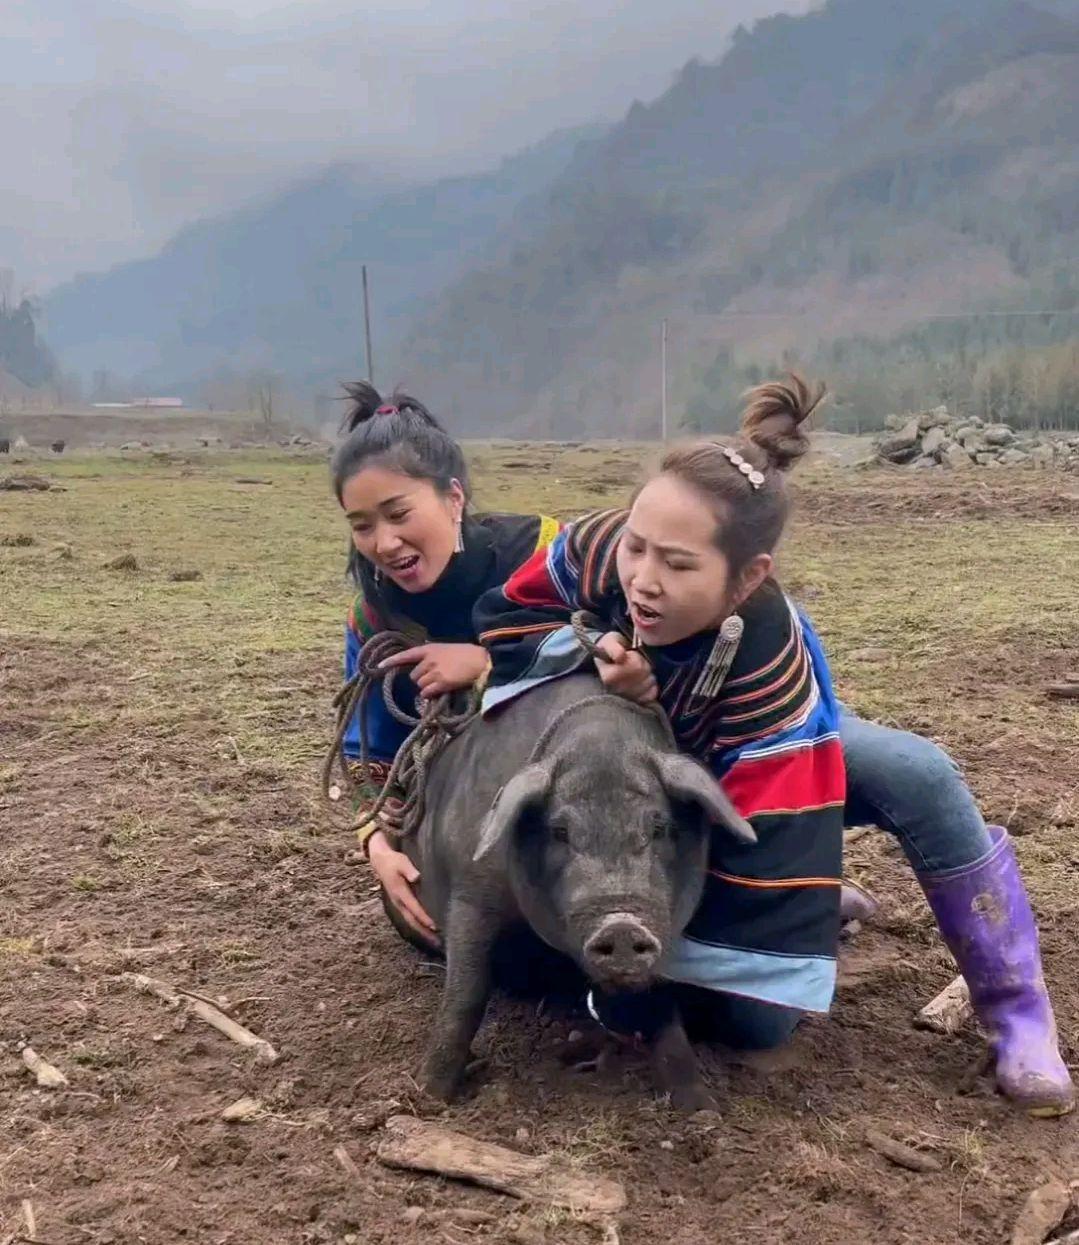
(387, 410)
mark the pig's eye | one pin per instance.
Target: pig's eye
(560, 834)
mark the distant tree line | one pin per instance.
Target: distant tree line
(1021, 370)
(22, 352)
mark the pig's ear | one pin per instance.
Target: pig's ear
(684, 779)
(521, 792)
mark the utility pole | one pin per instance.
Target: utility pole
(663, 382)
(367, 327)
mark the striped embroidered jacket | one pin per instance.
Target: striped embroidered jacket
(768, 924)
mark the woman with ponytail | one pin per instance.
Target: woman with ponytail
(420, 560)
(689, 613)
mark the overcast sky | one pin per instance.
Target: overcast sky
(121, 120)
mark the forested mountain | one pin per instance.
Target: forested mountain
(827, 192)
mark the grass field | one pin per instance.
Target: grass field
(160, 734)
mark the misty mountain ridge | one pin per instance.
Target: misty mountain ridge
(820, 193)
(276, 286)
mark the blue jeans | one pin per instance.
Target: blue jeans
(908, 786)
(709, 1015)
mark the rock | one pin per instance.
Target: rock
(132, 445)
(1014, 458)
(926, 460)
(894, 422)
(999, 434)
(898, 454)
(412, 1214)
(242, 1111)
(909, 433)
(956, 458)
(1043, 1211)
(933, 441)
(936, 418)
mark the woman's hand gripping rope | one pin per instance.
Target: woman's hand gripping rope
(622, 669)
(436, 723)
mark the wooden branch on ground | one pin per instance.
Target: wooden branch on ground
(47, 1076)
(900, 1154)
(949, 1011)
(422, 1145)
(205, 1010)
(1068, 690)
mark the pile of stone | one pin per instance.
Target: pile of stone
(938, 438)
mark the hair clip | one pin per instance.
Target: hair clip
(755, 477)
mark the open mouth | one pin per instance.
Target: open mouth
(403, 566)
(645, 615)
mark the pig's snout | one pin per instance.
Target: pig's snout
(622, 951)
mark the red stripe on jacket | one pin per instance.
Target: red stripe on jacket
(531, 584)
(802, 778)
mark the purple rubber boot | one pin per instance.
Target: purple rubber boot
(984, 914)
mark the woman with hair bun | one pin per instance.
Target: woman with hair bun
(420, 559)
(689, 613)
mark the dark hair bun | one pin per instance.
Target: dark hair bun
(775, 415)
(364, 401)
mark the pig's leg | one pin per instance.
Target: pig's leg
(469, 937)
(675, 1067)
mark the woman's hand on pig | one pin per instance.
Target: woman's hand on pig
(398, 875)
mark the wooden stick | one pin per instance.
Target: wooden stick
(28, 1217)
(1063, 691)
(900, 1154)
(949, 1011)
(206, 1011)
(47, 1076)
(422, 1145)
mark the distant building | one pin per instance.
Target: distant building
(141, 404)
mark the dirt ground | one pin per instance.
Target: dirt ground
(160, 734)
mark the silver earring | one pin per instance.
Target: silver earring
(459, 544)
(720, 659)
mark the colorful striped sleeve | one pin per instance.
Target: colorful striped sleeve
(524, 623)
